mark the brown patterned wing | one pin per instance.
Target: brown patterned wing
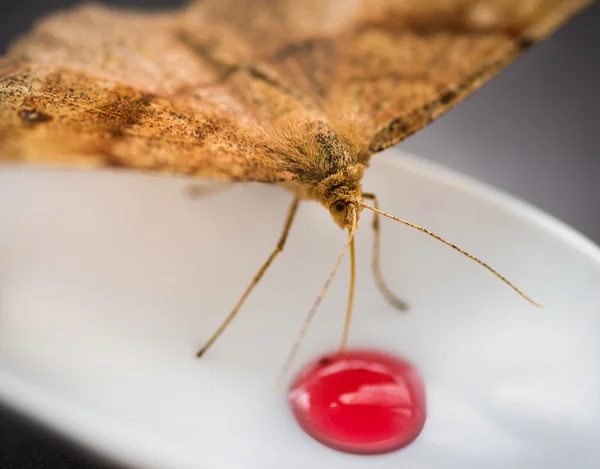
(408, 62)
(384, 67)
(100, 87)
(209, 90)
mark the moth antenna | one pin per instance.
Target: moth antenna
(456, 248)
(311, 314)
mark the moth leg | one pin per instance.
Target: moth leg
(278, 248)
(197, 191)
(376, 265)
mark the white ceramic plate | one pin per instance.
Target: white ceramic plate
(110, 282)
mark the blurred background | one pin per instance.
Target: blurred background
(533, 131)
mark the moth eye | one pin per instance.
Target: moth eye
(338, 208)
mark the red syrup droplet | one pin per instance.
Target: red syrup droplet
(360, 401)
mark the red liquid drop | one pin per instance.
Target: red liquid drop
(363, 402)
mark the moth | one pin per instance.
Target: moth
(298, 94)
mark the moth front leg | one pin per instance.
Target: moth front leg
(197, 191)
(257, 277)
(376, 265)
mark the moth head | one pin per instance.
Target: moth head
(345, 211)
(341, 194)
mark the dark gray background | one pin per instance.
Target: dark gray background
(534, 131)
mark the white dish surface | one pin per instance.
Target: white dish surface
(109, 283)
